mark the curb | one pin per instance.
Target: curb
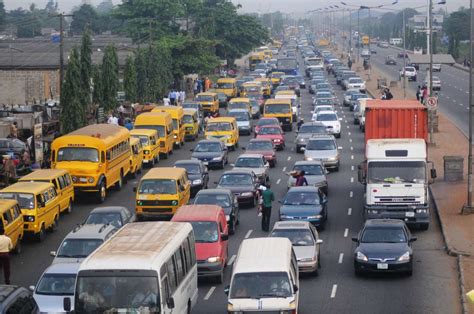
(464, 304)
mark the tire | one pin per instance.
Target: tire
(232, 227)
(102, 193)
(336, 169)
(69, 207)
(119, 183)
(220, 278)
(338, 135)
(424, 227)
(55, 224)
(222, 164)
(409, 272)
(17, 248)
(357, 272)
(40, 235)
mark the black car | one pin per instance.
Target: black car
(197, 174)
(211, 153)
(222, 99)
(116, 216)
(223, 198)
(243, 184)
(384, 245)
(15, 299)
(390, 60)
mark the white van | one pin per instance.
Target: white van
(396, 41)
(264, 278)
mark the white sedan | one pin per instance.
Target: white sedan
(331, 121)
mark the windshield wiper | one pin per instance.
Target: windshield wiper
(271, 295)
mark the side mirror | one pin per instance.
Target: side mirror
(355, 239)
(31, 288)
(243, 148)
(134, 189)
(433, 173)
(361, 174)
(295, 288)
(170, 303)
(191, 150)
(67, 304)
(413, 239)
(224, 237)
(319, 241)
(52, 253)
(226, 290)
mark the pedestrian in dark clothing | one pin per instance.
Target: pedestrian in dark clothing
(6, 246)
(464, 62)
(418, 93)
(268, 197)
(300, 123)
(388, 94)
(301, 179)
(349, 63)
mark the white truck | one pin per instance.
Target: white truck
(396, 181)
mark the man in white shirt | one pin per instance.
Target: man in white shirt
(6, 246)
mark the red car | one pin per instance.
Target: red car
(263, 146)
(265, 121)
(274, 133)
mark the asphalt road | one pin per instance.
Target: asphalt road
(453, 96)
(431, 289)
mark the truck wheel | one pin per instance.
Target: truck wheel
(102, 193)
(119, 184)
(424, 227)
(40, 235)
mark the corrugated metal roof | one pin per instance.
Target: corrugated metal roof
(425, 59)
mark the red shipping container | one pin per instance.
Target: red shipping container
(395, 119)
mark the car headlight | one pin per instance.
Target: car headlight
(217, 158)
(373, 211)
(405, 257)
(301, 140)
(315, 217)
(309, 259)
(283, 216)
(175, 136)
(422, 211)
(146, 152)
(277, 140)
(214, 259)
(245, 194)
(90, 179)
(29, 218)
(308, 158)
(198, 181)
(361, 257)
(332, 158)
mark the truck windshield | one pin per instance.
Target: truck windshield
(78, 154)
(117, 294)
(260, 285)
(397, 172)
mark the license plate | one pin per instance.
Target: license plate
(409, 214)
(382, 266)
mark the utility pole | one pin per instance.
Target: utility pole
(61, 46)
(358, 35)
(404, 56)
(430, 71)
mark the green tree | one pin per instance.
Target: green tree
(97, 94)
(105, 7)
(158, 74)
(141, 70)
(130, 80)
(86, 65)
(455, 26)
(2, 15)
(72, 114)
(110, 80)
(85, 15)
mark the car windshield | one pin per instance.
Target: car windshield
(113, 219)
(157, 186)
(383, 235)
(239, 116)
(219, 126)
(260, 285)
(323, 108)
(188, 119)
(298, 237)
(236, 179)
(321, 144)
(358, 96)
(225, 85)
(190, 168)
(323, 101)
(204, 98)
(117, 292)
(252, 89)
(322, 85)
(208, 148)
(263, 122)
(237, 105)
(159, 128)
(397, 172)
(326, 117)
(312, 129)
(301, 198)
(25, 200)
(259, 146)
(78, 248)
(247, 162)
(355, 80)
(56, 284)
(205, 231)
(278, 108)
(221, 200)
(78, 154)
(312, 170)
(269, 130)
(323, 95)
(190, 106)
(143, 139)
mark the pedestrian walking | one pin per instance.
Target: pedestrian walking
(9, 169)
(349, 63)
(418, 93)
(172, 97)
(267, 198)
(196, 87)
(425, 94)
(182, 97)
(6, 246)
(301, 179)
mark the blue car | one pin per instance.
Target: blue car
(307, 203)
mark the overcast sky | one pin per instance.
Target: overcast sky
(261, 6)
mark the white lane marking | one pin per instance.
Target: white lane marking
(352, 148)
(346, 232)
(247, 235)
(461, 104)
(352, 168)
(349, 211)
(454, 100)
(341, 256)
(339, 147)
(350, 140)
(231, 260)
(345, 121)
(209, 293)
(347, 126)
(278, 181)
(289, 158)
(448, 97)
(292, 149)
(352, 179)
(284, 169)
(333, 291)
(349, 133)
(351, 194)
(352, 156)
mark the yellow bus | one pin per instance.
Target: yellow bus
(266, 86)
(191, 124)
(280, 109)
(163, 124)
(275, 78)
(177, 114)
(150, 143)
(228, 86)
(97, 157)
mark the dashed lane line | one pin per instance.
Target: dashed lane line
(209, 293)
(333, 291)
(278, 181)
(284, 169)
(231, 260)
(352, 156)
(341, 256)
(352, 179)
(352, 168)
(349, 211)
(346, 232)
(289, 158)
(247, 235)
(351, 194)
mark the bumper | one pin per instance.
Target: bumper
(155, 212)
(331, 164)
(317, 222)
(392, 267)
(307, 267)
(245, 200)
(245, 130)
(206, 269)
(408, 214)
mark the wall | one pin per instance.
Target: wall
(21, 86)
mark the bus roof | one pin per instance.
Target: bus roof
(105, 133)
(173, 110)
(226, 80)
(140, 245)
(197, 213)
(163, 172)
(6, 204)
(263, 255)
(222, 119)
(147, 132)
(189, 111)
(278, 101)
(240, 99)
(152, 118)
(206, 94)
(27, 187)
(43, 174)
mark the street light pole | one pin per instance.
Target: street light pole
(468, 208)
(404, 56)
(358, 35)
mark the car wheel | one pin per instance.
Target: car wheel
(40, 235)
(69, 207)
(357, 272)
(424, 227)
(222, 164)
(232, 226)
(55, 224)
(220, 278)
(409, 272)
(119, 184)
(17, 249)
(102, 193)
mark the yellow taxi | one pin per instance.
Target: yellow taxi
(239, 103)
(228, 86)
(252, 88)
(280, 109)
(150, 145)
(163, 124)
(177, 113)
(191, 124)
(11, 221)
(208, 101)
(275, 78)
(266, 86)
(136, 157)
(224, 129)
